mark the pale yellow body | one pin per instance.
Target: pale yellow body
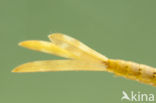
(82, 58)
(131, 70)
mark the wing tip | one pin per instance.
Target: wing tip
(21, 43)
(19, 70)
(25, 43)
(55, 34)
(14, 71)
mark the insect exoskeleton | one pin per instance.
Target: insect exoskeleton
(82, 58)
(131, 70)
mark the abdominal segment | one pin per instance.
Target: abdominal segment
(134, 71)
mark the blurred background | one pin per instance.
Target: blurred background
(119, 29)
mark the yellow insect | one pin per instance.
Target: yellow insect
(82, 58)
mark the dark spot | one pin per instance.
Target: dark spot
(126, 66)
(107, 64)
(154, 74)
(139, 71)
(104, 62)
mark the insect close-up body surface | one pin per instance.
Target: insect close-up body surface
(82, 58)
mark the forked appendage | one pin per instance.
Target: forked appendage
(82, 58)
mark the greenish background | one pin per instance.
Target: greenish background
(124, 29)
